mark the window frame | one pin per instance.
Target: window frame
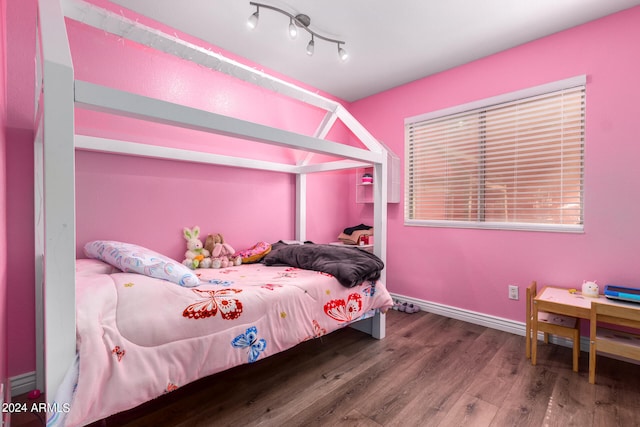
(577, 81)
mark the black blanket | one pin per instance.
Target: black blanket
(351, 266)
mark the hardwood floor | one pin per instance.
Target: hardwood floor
(429, 371)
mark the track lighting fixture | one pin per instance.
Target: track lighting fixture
(297, 21)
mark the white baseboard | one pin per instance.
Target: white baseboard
(4, 415)
(22, 383)
(493, 322)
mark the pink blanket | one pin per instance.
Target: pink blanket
(139, 337)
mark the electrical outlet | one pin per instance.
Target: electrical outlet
(513, 292)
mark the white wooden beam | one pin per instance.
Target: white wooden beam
(104, 145)
(323, 129)
(301, 207)
(100, 98)
(359, 130)
(326, 124)
(332, 166)
(380, 211)
(57, 248)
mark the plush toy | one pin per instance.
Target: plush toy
(222, 254)
(255, 253)
(590, 289)
(195, 256)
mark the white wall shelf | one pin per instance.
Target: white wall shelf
(364, 190)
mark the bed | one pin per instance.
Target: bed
(237, 315)
(59, 94)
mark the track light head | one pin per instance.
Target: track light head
(252, 22)
(311, 46)
(342, 54)
(293, 31)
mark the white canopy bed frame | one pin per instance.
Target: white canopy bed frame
(58, 94)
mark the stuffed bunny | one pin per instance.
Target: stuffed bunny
(195, 256)
(222, 254)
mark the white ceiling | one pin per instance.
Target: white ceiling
(389, 43)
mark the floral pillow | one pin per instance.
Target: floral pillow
(133, 258)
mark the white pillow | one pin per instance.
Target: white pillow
(133, 258)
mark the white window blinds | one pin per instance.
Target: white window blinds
(515, 164)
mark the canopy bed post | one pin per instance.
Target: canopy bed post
(301, 207)
(380, 226)
(54, 171)
(380, 208)
(376, 325)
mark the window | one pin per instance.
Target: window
(510, 162)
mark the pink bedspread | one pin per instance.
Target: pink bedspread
(139, 337)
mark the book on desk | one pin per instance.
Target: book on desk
(622, 293)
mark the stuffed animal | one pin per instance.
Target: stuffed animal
(590, 289)
(222, 254)
(195, 256)
(255, 253)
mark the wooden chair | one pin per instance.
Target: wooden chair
(610, 341)
(551, 324)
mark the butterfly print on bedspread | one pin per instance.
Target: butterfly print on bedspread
(286, 275)
(370, 289)
(118, 352)
(318, 331)
(250, 341)
(222, 300)
(344, 311)
(221, 282)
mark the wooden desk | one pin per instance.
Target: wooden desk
(560, 301)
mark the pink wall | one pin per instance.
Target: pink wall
(471, 269)
(3, 213)
(20, 75)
